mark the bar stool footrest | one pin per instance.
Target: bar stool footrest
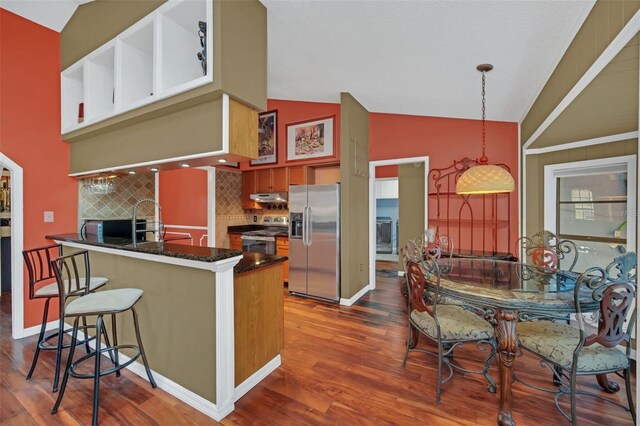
(119, 367)
(48, 347)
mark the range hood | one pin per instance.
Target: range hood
(270, 197)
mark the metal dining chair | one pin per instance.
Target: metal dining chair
(579, 351)
(448, 326)
(546, 249)
(42, 285)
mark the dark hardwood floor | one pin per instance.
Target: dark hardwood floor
(341, 365)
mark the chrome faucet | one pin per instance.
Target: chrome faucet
(159, 230)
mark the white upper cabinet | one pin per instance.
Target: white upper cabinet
(136, 73)
(387, 188)
(155, 58)
(180, 45)
(99, 83)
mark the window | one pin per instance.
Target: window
(583, 211)
(592, 203)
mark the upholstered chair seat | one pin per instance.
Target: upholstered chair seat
(104, 301)
(52, 289)
(557, 342)
(456, 323)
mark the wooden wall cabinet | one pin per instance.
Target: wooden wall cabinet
(282, 249)
(248, 188)
(272, 180)
(323, 174)
(298, 175)
(235, 242)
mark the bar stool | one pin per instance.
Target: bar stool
(38, 263)
(109, 302)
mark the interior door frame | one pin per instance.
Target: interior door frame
(17, 245)
(372, 205)
(577, 168)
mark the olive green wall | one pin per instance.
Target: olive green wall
(535, 173)
(186, 131)
(243, 56)
(607, 106)
(602, 25)
(177, 315)
(95, 23)
(354, 196)
(411, 192)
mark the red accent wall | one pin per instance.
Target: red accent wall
(30, 134)
(183, 197)
(387, 171)
(295, 112)
(444, 140)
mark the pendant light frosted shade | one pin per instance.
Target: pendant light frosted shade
(485, 179)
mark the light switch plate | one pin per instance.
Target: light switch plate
(48, 216)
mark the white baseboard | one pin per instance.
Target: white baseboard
(183, 394)
(27, 332)
(253, 380)
(355, 297)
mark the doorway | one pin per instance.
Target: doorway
(13, 172)
(390, 183)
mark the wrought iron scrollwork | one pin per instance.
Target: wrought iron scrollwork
(546, 250)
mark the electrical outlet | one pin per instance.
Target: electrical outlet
(361, 268)
(48, 216)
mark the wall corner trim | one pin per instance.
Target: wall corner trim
(583, 143)
(355, 297)
(253, 380)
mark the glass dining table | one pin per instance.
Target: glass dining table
(506, 292)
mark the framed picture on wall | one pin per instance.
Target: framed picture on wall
(310, 139)
(267, 138)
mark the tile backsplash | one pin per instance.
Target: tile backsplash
(229, 211)
(119, 204)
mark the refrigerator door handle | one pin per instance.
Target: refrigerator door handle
(305, 224)
(310, 226)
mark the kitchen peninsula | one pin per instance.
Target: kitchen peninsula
(212, 319)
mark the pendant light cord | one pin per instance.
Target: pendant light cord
(483, 159)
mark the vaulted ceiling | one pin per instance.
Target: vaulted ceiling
(409, 57)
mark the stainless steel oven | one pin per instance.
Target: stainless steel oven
(259, 244)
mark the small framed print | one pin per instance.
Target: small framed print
(267, 139)
(310, 139)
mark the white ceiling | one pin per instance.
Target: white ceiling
(419, 57)
(53, 14)
(400, 56)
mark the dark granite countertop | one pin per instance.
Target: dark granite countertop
(241, 229)
(197, 253)
(251, 261)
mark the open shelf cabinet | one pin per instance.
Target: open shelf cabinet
(137, 73)
(99, 83)
(180, 45)
(155, 58)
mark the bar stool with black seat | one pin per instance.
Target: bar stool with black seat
(42, 285)
(99, 304)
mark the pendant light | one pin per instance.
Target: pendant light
(484, 178)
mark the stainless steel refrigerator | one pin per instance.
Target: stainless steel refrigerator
(314, 241)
